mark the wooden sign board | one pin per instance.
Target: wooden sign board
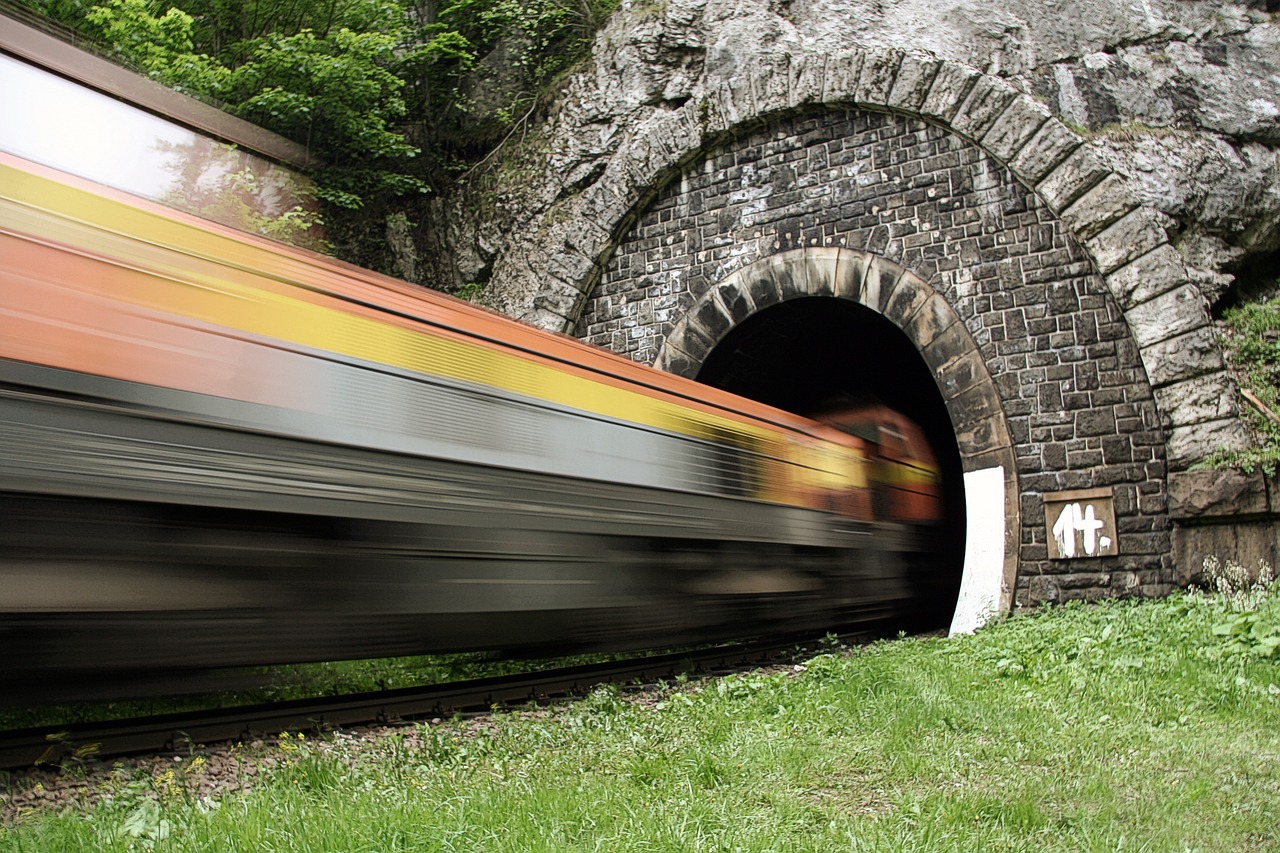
(1081, 523)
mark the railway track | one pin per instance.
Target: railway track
(172, 733)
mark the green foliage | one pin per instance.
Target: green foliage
(159, 45)
(1251, 337)
(364, 83)
(1252, 623)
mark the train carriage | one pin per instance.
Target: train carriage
(221, 450)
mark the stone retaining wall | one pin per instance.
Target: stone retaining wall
(1231, 515)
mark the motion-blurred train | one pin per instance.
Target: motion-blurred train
(219, 450)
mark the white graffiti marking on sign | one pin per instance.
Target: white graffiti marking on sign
(1073, 520)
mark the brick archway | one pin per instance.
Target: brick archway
(943, 342)
(1125, 240)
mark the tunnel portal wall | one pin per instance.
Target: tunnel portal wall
(1056, 390)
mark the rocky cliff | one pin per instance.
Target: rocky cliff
(1180, 97)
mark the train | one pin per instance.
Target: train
(224, 451)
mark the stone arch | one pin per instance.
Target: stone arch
(938, 334)
(1126, 243)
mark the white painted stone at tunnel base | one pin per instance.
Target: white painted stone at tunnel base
(983, 576)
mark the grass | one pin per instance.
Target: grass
(1251, 340)
(1116, 726)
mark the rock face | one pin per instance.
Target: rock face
(1139, 140)
(1180, 97)
(1150, 129)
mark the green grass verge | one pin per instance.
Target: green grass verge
(1251, 339)
(1116, 726)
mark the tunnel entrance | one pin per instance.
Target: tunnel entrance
(802, 355)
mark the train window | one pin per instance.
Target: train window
(74, 129)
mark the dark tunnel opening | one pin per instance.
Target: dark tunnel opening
(803, 354)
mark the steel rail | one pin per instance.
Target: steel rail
(186, 731)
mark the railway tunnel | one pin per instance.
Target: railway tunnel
(806, 354)
(834, 250)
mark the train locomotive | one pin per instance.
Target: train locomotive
(220, 451)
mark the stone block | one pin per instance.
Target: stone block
(851, 269)
(875, 81)
(808, 71)
(950, 86)
(733, 103)
(1245, 541)
(1071, 179)
(1100, 206)
(984, 104)
(982, 438)
(543, 318)
(1187, 445)
(820, 264)
(573, 267)
(911, 86)
(1000, 456)
(691, 341)
(713, 120)
(1125, 240)
(947, 345)
(1171, 314)
(841, 78)
(908, 294)
(1013, 128)
(735, 301)
(1052, 144)
(1210, 494)
(878, 283)
(1183, 357)
(961, 374)
(763, 290)
(674, 360)
(559, 298)
(1148, 276)
(708, 322)
(770, 77)
(1211, 397)
(788, 275)
(932, 319)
